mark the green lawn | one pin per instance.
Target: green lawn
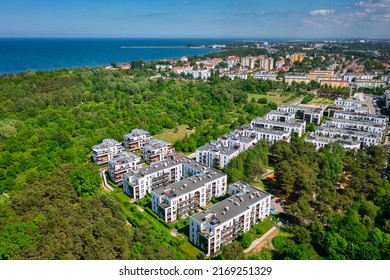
(277, 97)
(171, 136)
(3, 199)
(191, 250)
(322, 100)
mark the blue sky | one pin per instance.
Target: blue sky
(195, 18)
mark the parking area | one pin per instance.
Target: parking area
(275, 204)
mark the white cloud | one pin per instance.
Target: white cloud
(321, 12)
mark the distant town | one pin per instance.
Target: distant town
(183, 186)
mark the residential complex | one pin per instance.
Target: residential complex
(215, 155)
(181, 198)
(124, 162)
(139, 182)
(295, 127)
(308, 113)
(226, 220)
(350, 125)
(136, 139)
(157, 150)
(107, 150)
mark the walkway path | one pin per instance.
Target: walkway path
(105, 184)
(257, 241)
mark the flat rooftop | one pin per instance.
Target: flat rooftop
(106, 143)
(189, 184)
(379, 116)
(167, 164)
(348, 131)
(269, 131)
(290, 123)
(231, 207)
(125, 157)
(357, 122)
(217, 148)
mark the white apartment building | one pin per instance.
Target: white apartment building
(157, 150)
(181, 198)
(138, 183)
(215, 155)
(203, 74)
(225, 221)
(308, 113)
(262, 76)
(121, 164)
(239, 75)
(320, 142)
(368, 126)
(374, 118)
(297, 79)
(270, 135)
(236, 140)
(280, 116)
(296, 127)
(104, 152)
(351, 105)
(363, 137)
(136, 139)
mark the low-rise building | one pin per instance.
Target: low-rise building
(262, 76)
(363, 137)
(138, 183)
(350, 105)
(295, 127)
(334, 83)
(181, 198)
(203, 74)
(375, 118)
(369, 83)
(136, 139)
(104, 152)
(321, 141)
(157, 150)
(121, 164)
(297, 79)
(228, 219)
(215, 155)
(309, 113)
(270, 135)
(281, 115)
(368, 126)
(239, 75)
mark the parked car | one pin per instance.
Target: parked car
(272, 210)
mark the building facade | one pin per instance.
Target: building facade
(228, 219)
(180, 199)
(136, 139)
(107, 150)
(121, 164)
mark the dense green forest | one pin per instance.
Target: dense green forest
(48, 123)
(337, 202)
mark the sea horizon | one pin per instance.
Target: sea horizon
(20, 54)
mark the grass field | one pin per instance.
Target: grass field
(191, 250)
(321, 100)
(3, 199)
(171, 136)
(276, 97)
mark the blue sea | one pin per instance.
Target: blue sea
(19, 55)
